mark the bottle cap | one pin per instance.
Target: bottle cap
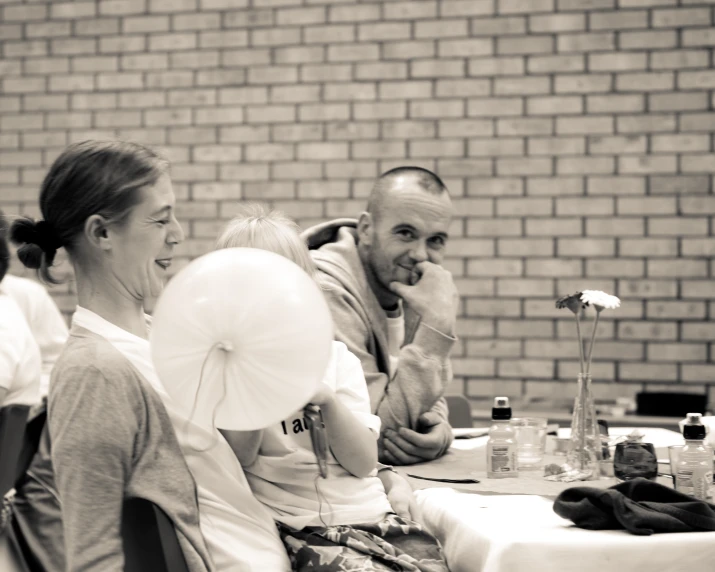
(694, 428)
(501, 411)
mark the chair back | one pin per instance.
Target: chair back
(12, 430)
(460, 412)
(34, 427)
(149, 539)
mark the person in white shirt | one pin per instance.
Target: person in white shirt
(44, 318)
(324, 521)
(19, 354)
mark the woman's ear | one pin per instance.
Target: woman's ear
(96, 232)
(364, 228)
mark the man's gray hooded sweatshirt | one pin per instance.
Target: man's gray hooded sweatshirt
(424, 369)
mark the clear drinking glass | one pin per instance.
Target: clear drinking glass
(530, 433)
(674, 457)
(633, 460)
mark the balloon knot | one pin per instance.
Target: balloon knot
(225, 346)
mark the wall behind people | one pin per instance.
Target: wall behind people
(574, 136)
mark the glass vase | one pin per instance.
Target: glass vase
(585, 451)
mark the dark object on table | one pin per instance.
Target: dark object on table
(633, 460)
(437, 480)
(670, 404)
(640, 506)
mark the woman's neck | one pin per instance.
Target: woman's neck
(110, 303)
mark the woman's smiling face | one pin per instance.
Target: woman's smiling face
(142, 247)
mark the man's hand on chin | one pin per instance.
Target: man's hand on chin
(407, 447)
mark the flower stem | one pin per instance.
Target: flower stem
(580, 340)
(593, 340)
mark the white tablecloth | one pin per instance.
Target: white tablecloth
(482, 533)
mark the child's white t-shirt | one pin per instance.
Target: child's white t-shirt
(285, 474)
(20, 361)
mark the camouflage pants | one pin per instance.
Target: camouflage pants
(394, 544)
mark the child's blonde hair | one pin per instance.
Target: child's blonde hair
(257, 226)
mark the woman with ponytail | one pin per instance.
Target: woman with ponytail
(110, 205)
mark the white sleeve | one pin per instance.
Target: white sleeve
(9, 356)
(49, 329)
(351, 388)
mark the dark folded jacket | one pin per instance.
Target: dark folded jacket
(640, 506)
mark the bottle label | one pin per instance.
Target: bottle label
(502, 461)
(695, 481)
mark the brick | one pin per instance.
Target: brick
(243, 172)
(381, 110)
(525, 45)
(555, 146)
(560, 63)
(525, 6)
(441, 28)
(647, 164)
(524, 166)
(192, 135)
(646, 206)
(275, 36)
(696, 205)
(659, 310)
(466, 8)
(273, 74)
(618, 20)
(698, 373)
(586, 42)
(495, 147)
(696, 80)
(615, 268)
(525, 126)
(699, 37)
(463, 168)
(648, 40)
(11, 104)
(390, 31)
(354, 13)
(647, 331)
(352, 169)
(323, 189)
(400, 89)
(197, 21)
(327, 112)
(501, 186)
(584, 165)
(553, 227)
(526, 368)
(409, 10)
(229, 4)
(594, 206)
(496, 66)
(64, 120)
(24, 85)
(617, 145)
(680, 185)
(329, 34)
(72, 10)
(492, 308)
(584, 125)
(462, 87)
(353, 52)
(671, 226)
(494, 267)
(437, 148)
(132, 62)
(509, 26)
(230, 58)
(697, 121)
(20, 158)
(237, 134)
(28, 48)
(119, 44)
(679, 18)
(698, 289)
(697, 163)
(408, 50)
(94, 100)
(41, 66)
(661, 81)
(645, 123)
(248, 18)
(408, 129)
(494, 106)
(557, 22)
(592, 83)
(224, 39)
(525, 329)
(11, 31)
(647, 288)
(170, 79)
(381, 70)
(95, 64)
(586, 247)
(703, 331)
(322, 151)
(24, 13)
(145, 24)
(680, 143)
(522, 86)
(257, 153)
(295, 54)
(269, 190)
(122, 7)
(697, 247)
(678, 101)
(525, 247)
(493, 227)
(468, 48)
(48, 29)
(619, 61)
(301, 16)
(680, 59)
(524, 206)
(437, 68)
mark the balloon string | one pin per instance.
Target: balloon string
(218, 345)
(321, 497)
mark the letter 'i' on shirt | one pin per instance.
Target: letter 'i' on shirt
(395, 337)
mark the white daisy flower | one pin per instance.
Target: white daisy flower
(600, 300)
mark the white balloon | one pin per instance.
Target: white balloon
(241, 338)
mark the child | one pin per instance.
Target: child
(344, 521)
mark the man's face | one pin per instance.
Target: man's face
(411, 227)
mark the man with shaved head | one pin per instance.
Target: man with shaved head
(395, 307)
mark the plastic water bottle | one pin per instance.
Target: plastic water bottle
(694, 473)
(501, 446)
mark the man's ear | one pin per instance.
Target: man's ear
(364, 228)
(96, 232)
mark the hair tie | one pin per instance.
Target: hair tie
(46, 238)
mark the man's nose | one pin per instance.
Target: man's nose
(419, 252)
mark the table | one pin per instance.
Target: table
(508, 525)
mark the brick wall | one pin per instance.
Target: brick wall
(575, 136)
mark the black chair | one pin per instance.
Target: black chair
(13, 419)
(460, 412)
(36, 421)
(149, 539)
